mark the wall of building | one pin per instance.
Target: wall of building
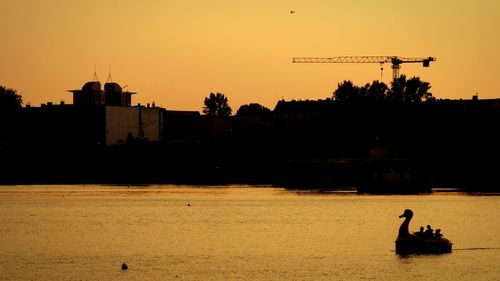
(181, 126)
(142, 123)
(152, 123)
(120, 121)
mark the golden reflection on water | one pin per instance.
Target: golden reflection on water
(236, 233)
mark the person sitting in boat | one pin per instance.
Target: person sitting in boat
(438, 234)
(429, 233)
(420, 233)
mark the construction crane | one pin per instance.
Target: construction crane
(394, 60)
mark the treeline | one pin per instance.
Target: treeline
(9, 99)
(402, 90)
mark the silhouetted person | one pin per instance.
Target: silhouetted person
(130, 138)
(438, 234)
(429, 233)
(421, 232)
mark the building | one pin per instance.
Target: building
(181, 127)
(96, 117)
(122, 122)
(91, 94)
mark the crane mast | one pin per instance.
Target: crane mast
(394, 60)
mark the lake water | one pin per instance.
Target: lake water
(237, 233)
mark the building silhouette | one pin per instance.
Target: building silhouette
(92, 94)
(303, 143)
(96, 117)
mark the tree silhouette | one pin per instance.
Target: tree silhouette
(253, 109)
(9, 99)
(216, 105)
(396, 93)
(346, 91)
(377, 91)
(402, 90)
(418, 91)
(412, 90)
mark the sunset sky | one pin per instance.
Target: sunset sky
(176, 52)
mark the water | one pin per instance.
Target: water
(237, 233)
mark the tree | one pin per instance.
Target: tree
(377, 91)
(253, 109)
(216, 105)
(9, 99)
(412, 90)
(396, 93)
(409, 91)
(418, 91)
(346, 91)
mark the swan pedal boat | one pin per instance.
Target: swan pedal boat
(410, 243)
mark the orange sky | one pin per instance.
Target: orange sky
(176, 52)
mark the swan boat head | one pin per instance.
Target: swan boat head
(404, 233)
(407, 214)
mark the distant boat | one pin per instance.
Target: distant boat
(410, 243)
(393, 176)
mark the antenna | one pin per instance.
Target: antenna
(109, 75)
(95, 73)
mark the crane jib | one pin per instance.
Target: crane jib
(362, 59)
(394, 60)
